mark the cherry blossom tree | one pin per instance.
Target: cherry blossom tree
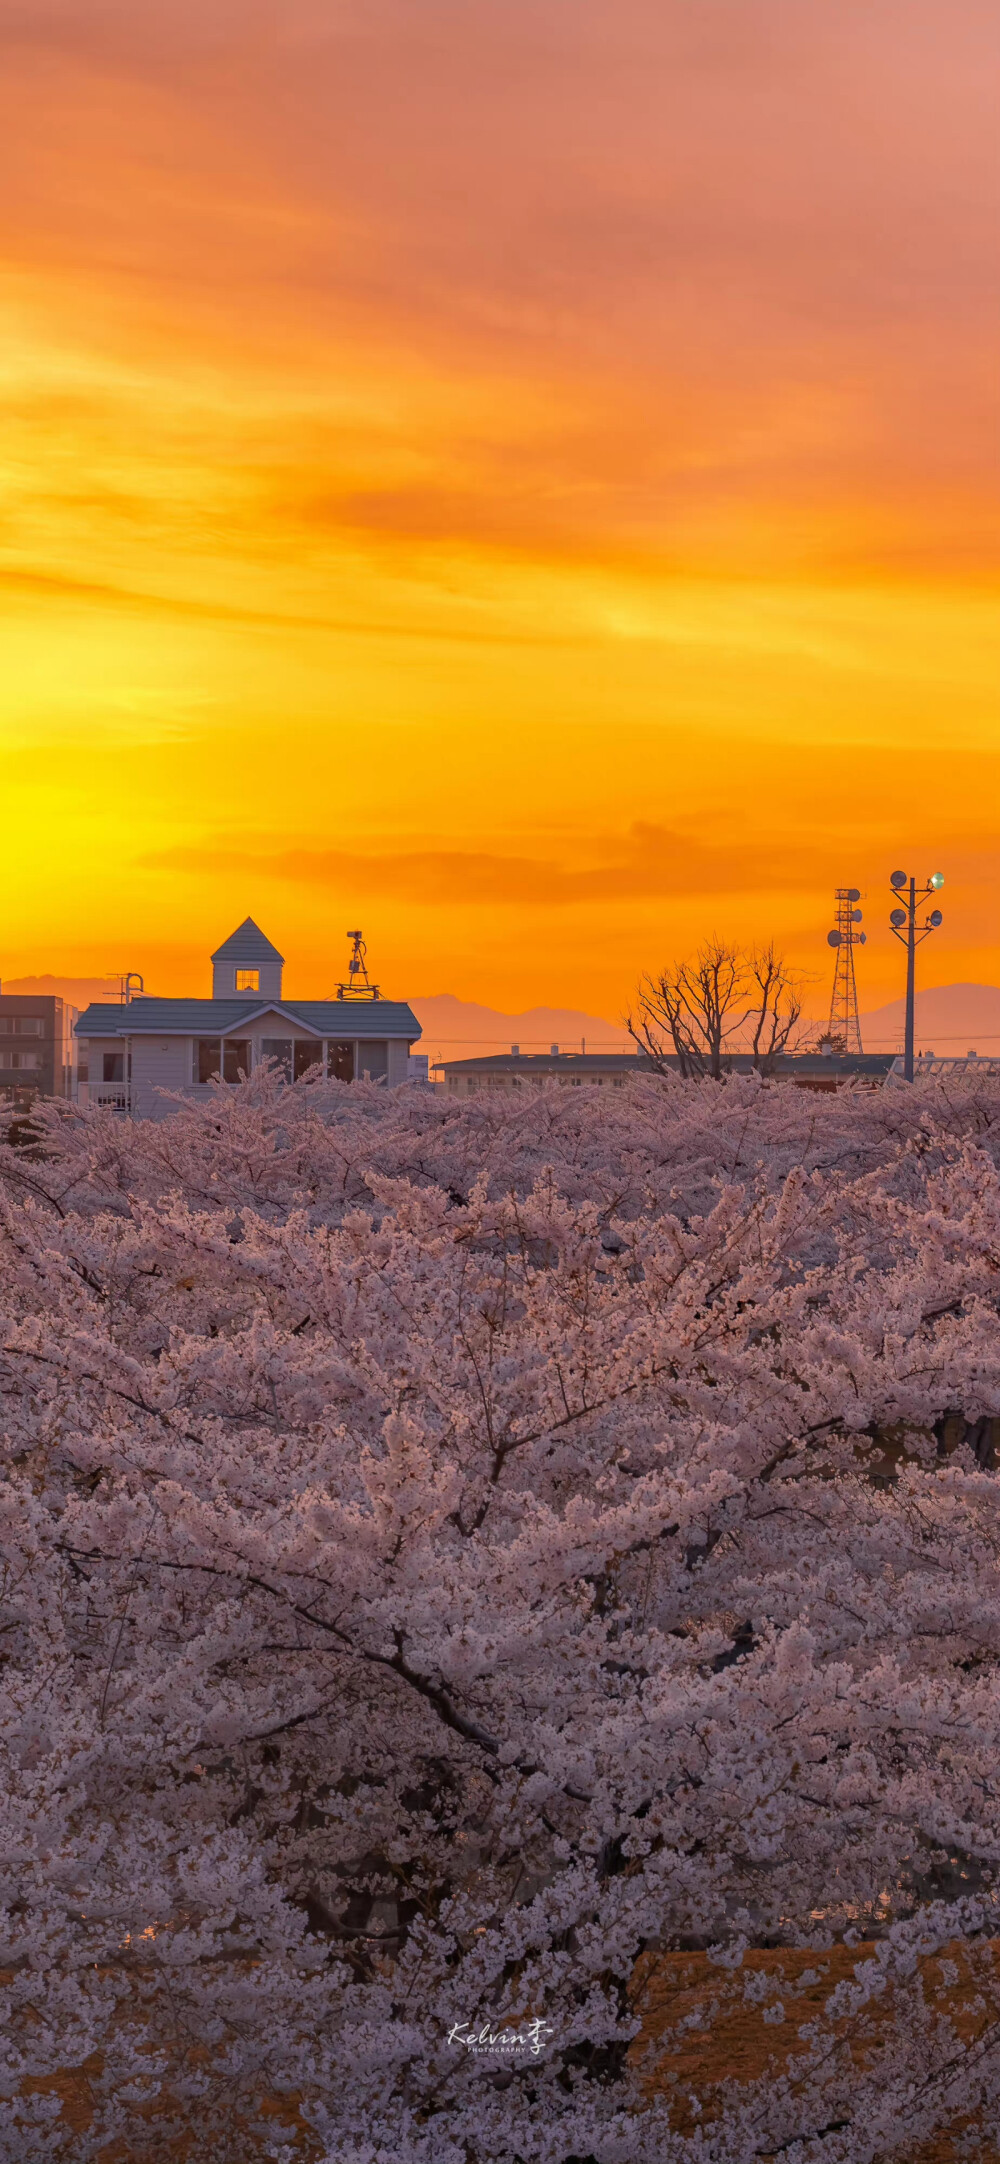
(450, 1553)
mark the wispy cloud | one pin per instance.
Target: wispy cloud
(649, 863)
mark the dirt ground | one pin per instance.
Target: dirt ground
(741, 2046)
(669, 1989)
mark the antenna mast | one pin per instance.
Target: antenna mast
(357, 986)
(844, 1028)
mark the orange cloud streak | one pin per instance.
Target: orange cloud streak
(526, 478)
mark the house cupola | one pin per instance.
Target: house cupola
(246, 964)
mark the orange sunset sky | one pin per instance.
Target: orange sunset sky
(519, 475)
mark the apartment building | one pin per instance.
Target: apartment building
(36, 1048)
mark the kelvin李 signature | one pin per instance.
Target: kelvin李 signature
(530, 2037)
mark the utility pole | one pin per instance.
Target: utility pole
(905, 927)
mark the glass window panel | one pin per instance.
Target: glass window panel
(340, 1062)
(373, 1060)
(114, 1067)
(236, 1058)
(248, 980)
(306, 1055)
(279, 1048)
(209, 1056)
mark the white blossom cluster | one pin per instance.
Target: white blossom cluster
(449, 1551)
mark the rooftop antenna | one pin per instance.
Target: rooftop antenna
(357, 985)
(131, 986)
(844, 1028)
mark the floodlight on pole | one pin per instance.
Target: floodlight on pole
(903, 924)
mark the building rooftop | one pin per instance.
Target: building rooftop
(583, 1063)
(247, 946)
(547, 1062)
(149, 1017)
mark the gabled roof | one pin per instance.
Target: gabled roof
(247, 946)
(343, 1020)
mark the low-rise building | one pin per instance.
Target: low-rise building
(611, 1070)
(134, 1050)
(522, 1070)
(36, 1048)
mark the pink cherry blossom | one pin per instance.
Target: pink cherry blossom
(448, 1551)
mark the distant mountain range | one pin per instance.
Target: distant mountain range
(77, 991)
(462, 1029)
(950, 1018)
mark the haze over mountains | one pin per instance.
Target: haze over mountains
(951, 1018)
(79, 991)
(462, 1029)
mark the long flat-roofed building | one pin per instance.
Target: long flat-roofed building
(520, 1070)
(611, 1070)
(130, 1051)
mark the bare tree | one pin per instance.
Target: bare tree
(727, 998)
(700, 1006)
(776, 1013)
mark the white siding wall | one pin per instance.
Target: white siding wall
(399, 1055)
(158, 1063)
(171, 1063)
(91, 1050)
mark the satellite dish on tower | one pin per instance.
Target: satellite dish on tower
(844, 1028)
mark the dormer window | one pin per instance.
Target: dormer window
(246, 962)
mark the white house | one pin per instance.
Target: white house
(133, 1049)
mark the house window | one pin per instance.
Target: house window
(340, 1062)
(306, 1055)
(248, 980)
(373, 1060)
(280, 1049)
(23, 1059)
(114, 1067)
(235, 1058)
(22, 1025)
(228, 1057)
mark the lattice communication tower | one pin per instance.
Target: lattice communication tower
(844, 1026)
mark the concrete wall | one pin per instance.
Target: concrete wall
(467, 1085)
(47, 1045)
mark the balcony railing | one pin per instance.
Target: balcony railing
(105, 1093)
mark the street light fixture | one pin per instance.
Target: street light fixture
(905, 927)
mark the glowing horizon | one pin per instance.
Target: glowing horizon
(529, 489)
